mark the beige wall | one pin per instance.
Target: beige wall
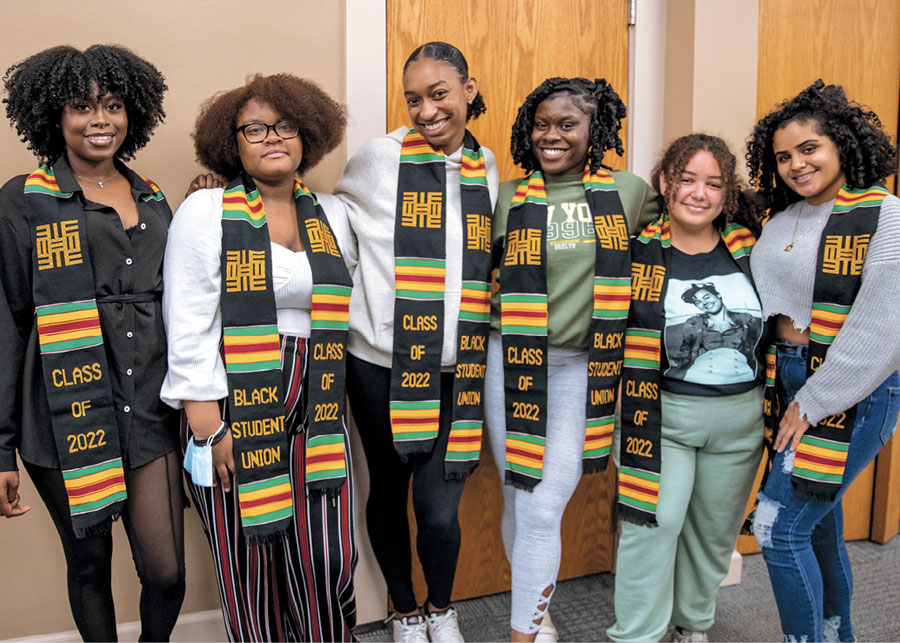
(202, 46)
(710, 71)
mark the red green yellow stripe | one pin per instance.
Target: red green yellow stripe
(826, 321)
(464, 444)
(157, 193)
(237, 205)
(639, 489)
(415, 149)
(770, 366)
(94, 487)
(300, 189)
(325, 458)
(530, 191)
(848, 199)
(265, 501)
(330, 307)
(523, 314)
(599, 180)
(739, 240)
(612, 297)
(598, 436)
(252, 348)
(820, 460)
(525, 453)
(68, 326)
(419, 278)
(417, 420)
(472, 171)
(43, 181)
(642, 347)
(658, 230)
(475, 302)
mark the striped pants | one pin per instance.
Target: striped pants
(299, 588)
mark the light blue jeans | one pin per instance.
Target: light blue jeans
(803, 540)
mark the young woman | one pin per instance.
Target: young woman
(827, 266)
(81, 241)
(420, 203)
(554, 231)
(257, 267)
(692, 426)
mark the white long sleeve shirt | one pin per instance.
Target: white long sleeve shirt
(368, 188)
(191, 296)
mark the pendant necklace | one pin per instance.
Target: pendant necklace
(116, 173)
(794, 238)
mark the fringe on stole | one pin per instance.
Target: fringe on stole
(628, 514)
(100, 529)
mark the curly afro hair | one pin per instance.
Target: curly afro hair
(867, 155)
(737, 207)
(39, 87)
(320, 118)
(595, 98)
(445, 52)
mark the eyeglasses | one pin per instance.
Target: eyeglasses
(258, 132)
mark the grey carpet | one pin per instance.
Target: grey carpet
(582, 608)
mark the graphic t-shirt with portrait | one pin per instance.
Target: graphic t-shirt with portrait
(713, 326)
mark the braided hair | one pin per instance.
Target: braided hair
(595, 98)
(39, 87)
(866, 153)
(445, 52)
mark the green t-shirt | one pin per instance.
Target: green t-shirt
(570, 248)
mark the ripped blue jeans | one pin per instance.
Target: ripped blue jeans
(803, 540)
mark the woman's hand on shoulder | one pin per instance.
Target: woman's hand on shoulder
(9, 495)
(791, 428)
(203, 182)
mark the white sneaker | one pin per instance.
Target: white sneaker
(409, 629)
(689, 636)
(443, 627)
(547, 632)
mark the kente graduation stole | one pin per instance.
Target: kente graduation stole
(639, 457)
(419, 260)
(523, 308)
(822, 453)
(73, 357)
(253, 358)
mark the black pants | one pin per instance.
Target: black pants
(435, 499)
(154, 521)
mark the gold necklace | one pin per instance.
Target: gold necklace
(100, 183)
(794, 240)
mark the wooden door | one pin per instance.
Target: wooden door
(511, 47)
(856, 45)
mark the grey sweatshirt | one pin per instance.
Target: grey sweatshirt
(867, 348)
(368, 190)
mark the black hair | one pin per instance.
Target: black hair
(866, 153)
(320, 118)
(39, 87)
(737, 206)
(595, 98)
(445, 52)
(688, 295)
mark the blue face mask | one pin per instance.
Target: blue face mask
(198, 461)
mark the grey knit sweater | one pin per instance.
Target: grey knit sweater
(867, 348)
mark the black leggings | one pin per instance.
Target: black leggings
(435, 499)
(154, 521)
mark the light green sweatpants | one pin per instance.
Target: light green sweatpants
(711, 448)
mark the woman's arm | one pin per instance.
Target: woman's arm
(192, 283)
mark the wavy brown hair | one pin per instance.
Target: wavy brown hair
(737, 207)
(320, 118)
(867, 155)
